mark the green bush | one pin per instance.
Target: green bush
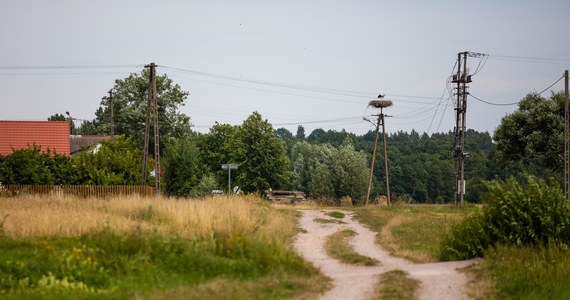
(529, 213)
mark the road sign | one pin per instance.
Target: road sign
(230, 167)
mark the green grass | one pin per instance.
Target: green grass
(412, 231)
(395, 284)
(108, 265)
(336, 214)
(328, 221)
(529, 272)
(337, 246)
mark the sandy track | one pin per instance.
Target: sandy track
(437, 280)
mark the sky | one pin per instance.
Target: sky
(310, 63)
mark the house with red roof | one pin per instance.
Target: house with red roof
(53, 135)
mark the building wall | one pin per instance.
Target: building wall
(45, 134)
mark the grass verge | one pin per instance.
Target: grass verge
(337, 246)
(395, 284)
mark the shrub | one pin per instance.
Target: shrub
(531, 213)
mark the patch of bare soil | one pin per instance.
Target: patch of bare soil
(440, 280)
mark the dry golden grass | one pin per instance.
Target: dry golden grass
(53, 216)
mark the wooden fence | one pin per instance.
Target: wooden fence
(13, 190)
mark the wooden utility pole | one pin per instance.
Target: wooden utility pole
(381, 104)
(156, 127)
(111, 117)
(152, 106)
(566, 139)
(372, 164)
(385, 157)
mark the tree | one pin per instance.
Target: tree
(262, 156)
(349, 172)
(323, 171)
(57, 117)
(300, 135)
(534, 134)
(183, 168)
(31, 166)
(116, 161)
(218, 147)
(129, 109)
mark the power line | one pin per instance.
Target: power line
(529, 58)
(319, 121)
(536, 60)
(69, 67)
(551, 85)
(514, 103)
(441, 99)
(493, 103)
(314, 89)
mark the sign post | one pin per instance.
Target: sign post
(230, 167)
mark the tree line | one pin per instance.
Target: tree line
(323, 164)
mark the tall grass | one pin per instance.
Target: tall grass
(529, 272)
(71, 217)
(121, 247)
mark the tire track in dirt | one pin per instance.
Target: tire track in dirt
(437, 280)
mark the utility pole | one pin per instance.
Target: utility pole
(385, 157)
(156, 127)
(566, 139)
(111, 117)
(380, 121)
(373, 159)
(459, 154)
(152, 106)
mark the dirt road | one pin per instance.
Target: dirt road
(437, 280)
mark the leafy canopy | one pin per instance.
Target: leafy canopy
(129, 108)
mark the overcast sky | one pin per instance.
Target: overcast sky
(311, 63)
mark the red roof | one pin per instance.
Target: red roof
(45, 134)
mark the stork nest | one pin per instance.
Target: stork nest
(380, 103)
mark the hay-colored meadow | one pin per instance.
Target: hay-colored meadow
(56, 216)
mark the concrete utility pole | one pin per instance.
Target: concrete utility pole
(380, 121)
(111, 117)
(461, 79)
(152, 105)
(566, 138)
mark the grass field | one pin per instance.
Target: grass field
(147, 248)
(226, 248)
